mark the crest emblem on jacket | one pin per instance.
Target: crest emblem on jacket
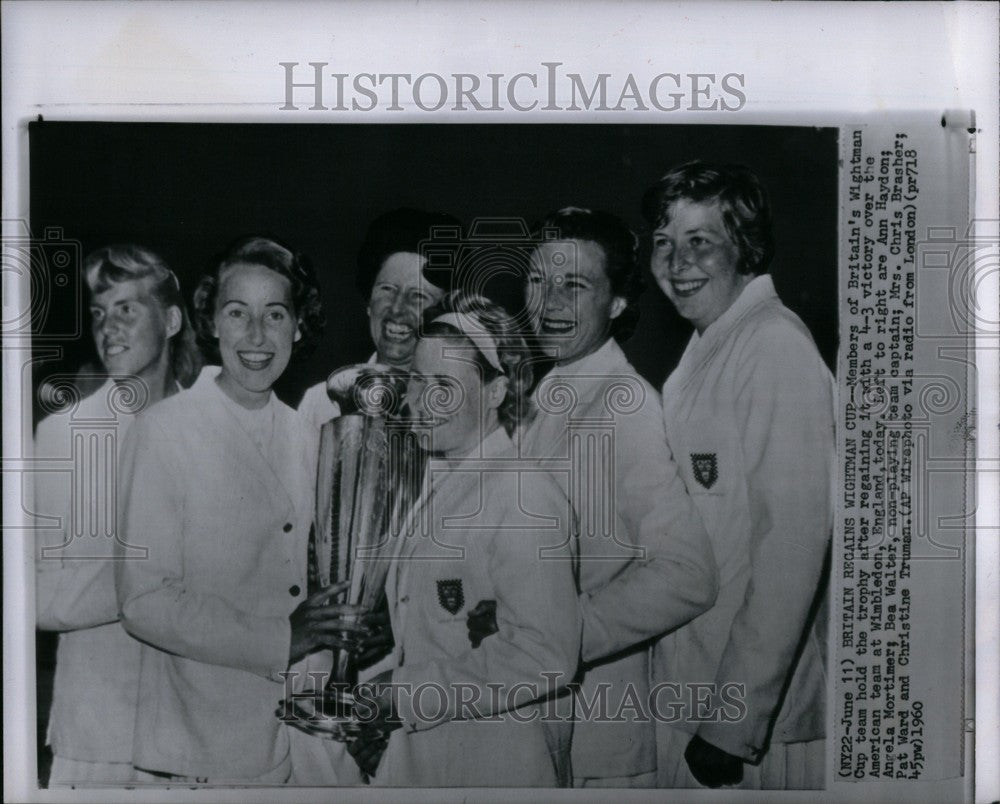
(450, 595)
(705, 467)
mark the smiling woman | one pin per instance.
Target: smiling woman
(218, 482)
(256, 330)
(467, 388)
(583, 286)
(255, 311)
(145, 342)
(628, 498)
(712, 237)
(133, 296)
(750, 390)
(392, 278)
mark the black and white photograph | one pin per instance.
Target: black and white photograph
(603, 449)
(518, 293)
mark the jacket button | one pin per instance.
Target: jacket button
(294, 590)
(288, 527)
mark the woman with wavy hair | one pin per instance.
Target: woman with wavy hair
(487, 526)
(146, 346)
(396, 288)
(645, 563)
(219, 486)
(749, 416)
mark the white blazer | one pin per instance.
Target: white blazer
(646, 564)
(495, 528)
(226, 529)
(749, 415)
(97, 663)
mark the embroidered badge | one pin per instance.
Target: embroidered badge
(706, 468)
(450, 595)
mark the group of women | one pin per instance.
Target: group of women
(583, 541)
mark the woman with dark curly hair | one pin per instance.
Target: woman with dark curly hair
(272, 255)
(219, 484)
(396, 288)
(645, 564)
(499, 529)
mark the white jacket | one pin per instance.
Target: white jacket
(645, 563)
(750, 418)
(493, 528)
(226, 531)
(97, 662)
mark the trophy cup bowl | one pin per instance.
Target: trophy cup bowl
(366, 460)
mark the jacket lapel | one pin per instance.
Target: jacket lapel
(701, 348)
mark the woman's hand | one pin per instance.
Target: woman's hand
(377, 641)
(712, 766)
(367, 747)
(318, 623)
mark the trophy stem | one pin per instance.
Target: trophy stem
(344, 673)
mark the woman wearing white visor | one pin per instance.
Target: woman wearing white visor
(488, 526)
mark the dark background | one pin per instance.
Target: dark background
(186, 190)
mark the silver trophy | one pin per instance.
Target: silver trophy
(368, 475)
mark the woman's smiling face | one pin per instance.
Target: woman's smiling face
(256, 326)
(570, 300)
(398, 299)
(696, 263)
(131, 328)
(446, 393)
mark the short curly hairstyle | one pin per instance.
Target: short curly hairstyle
(127, 262)
(401, 230)
(512, 351)
(742, 199)
(280, 258)
(620, 246)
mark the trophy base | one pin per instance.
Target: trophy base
(330, 714)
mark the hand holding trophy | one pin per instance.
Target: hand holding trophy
(318, 623)
(365, 461)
